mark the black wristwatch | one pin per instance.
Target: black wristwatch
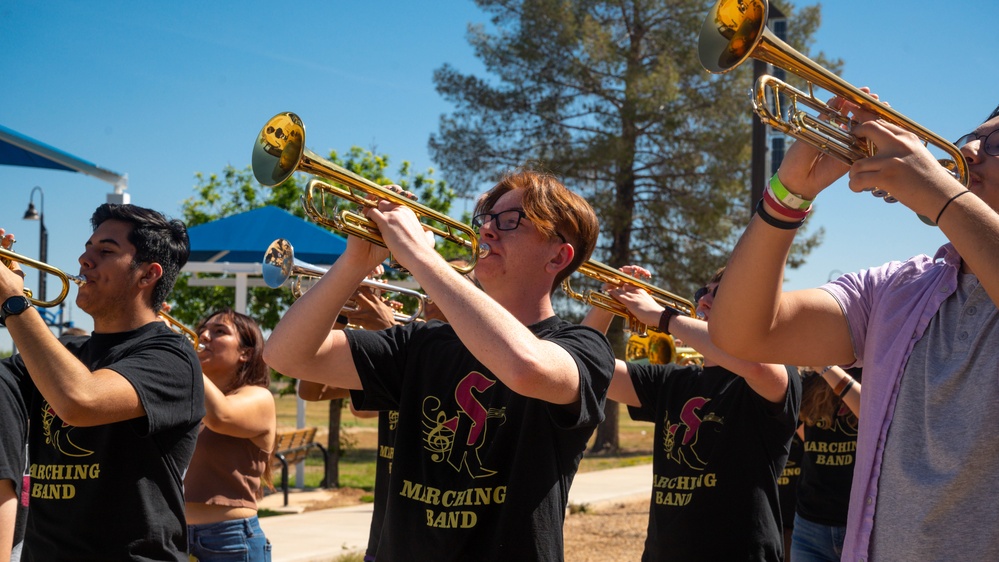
(13, 306)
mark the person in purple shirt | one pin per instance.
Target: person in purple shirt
(925, 330)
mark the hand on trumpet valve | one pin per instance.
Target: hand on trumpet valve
(369, 311)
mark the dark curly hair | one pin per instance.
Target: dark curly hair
(156, 240)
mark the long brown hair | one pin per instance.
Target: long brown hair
(819, 403)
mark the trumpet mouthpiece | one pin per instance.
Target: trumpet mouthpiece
(483, 250)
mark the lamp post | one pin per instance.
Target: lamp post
(43, 235)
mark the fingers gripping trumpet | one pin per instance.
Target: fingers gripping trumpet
(8, 258)
(608, 275)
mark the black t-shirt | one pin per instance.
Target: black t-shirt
(13, 435)
(480, 472)
(719, 451)
(787, 484)
(827, 467)
(114, 491)
(387, 422)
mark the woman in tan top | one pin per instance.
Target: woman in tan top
(231, 462)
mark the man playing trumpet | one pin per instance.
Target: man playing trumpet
(113, 417)
(495, 408)
(925, 330)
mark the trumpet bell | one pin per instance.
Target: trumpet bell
(660, 349)
(279, 149)
(279, 263)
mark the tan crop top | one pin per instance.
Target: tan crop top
(224, 470)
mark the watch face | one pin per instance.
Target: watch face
(16, 305)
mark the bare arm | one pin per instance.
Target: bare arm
(621, 388)
(249, 412)
(754, 319)
(80, 397)
(314, 391)
(8, 515)
(836, 378)
(767, 380)
(363, 413)
(304, 344)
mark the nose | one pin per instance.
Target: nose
(85, 261)
(487, 229)
(972, 151)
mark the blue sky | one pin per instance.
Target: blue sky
(160, 91)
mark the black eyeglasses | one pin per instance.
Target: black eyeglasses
(699, 294)
(990, 143)
(503, 220)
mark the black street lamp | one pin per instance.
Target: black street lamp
(43, 235)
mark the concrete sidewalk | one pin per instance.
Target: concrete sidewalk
(325, 534)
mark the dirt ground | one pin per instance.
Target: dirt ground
(614, 533)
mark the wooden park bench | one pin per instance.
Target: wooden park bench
(291, 447)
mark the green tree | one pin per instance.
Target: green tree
(610, 96)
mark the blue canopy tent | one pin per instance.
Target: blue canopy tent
(236, 244)
(20, 150)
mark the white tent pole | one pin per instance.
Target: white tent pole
(241, 282)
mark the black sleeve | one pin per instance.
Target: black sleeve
(649, 381)
(595, 362)
(166, 375)
(13, 427)
(380, 358)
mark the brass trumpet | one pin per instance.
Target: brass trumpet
(181, 329)
(660, 349)
(7, 256)
(607, 274)
(735, 31)
(280, 151)
(280, 264)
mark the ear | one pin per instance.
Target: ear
(151, 274)
(562, 259)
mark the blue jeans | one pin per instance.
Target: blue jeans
(812, 542)
(239, 540)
